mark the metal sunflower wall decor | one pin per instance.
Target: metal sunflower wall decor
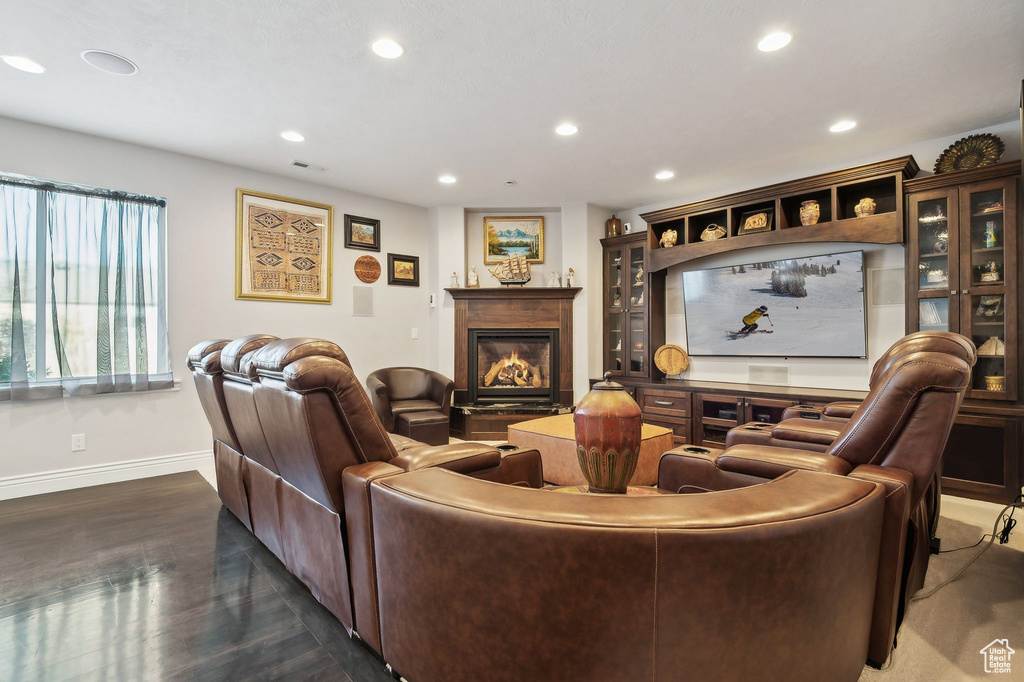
(972, 151)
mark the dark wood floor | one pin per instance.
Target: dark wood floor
(154, 580)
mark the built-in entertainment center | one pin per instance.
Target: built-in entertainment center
(962, 261)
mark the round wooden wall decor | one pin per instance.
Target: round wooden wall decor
(671, 359)
(367, 269)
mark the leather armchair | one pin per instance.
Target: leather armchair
(896, 437)
(408, 389)
(486, 582)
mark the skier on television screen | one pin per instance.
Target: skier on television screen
(750, 321)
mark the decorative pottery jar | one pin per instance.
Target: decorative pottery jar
(613, 227)
(669, 238)
(608, 425)
(809, 212)
(864, 207)
(992, 383)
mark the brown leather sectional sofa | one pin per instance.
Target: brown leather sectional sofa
(452, 564)
(288, 418)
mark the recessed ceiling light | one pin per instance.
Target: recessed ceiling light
(446, 179)
(665, 175)
(22, 63)
(842, 126)
(110, 62)
(566, 129)
(293, 136)
(387, 48)
(774, 41)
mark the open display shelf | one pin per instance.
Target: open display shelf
(837, 194)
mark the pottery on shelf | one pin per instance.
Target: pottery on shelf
(865, 207)
(669, 238)
(613, 227)
(995, 383)
(810, 211)
(608, 423)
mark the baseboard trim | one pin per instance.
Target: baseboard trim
(99, 474)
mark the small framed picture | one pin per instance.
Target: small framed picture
(756, 221)
(362, 233)
(403, 270)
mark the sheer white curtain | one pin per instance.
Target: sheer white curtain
(82, 291)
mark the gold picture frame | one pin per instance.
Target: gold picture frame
(283, 248)
(507, 235)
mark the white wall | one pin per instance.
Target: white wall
(35, 436)
(885, 324)
(539, 272)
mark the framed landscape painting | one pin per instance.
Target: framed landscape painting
(282, 248)
(403, 270)
(362, 233)
(513, 236)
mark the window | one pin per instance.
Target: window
(82, 291)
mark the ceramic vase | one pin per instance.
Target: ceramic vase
(864, 207)
(810, 211)
(608, 423)
(613, 227)
(669, 238)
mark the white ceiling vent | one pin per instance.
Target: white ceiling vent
(308, 166)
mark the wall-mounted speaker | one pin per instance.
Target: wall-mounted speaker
(362, 301)
(768, 374)
(886, 287)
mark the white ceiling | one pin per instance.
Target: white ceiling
(483, 83)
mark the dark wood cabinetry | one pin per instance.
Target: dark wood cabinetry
(963, 265)
(719, 412)
(634, 307)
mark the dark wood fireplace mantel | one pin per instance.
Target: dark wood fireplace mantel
(514, 308)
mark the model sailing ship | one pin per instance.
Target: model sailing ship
(513, 270)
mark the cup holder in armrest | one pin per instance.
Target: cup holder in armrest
(810, 415)
(693, 449)
(507, 447)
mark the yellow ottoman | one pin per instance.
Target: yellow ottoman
(555, 439)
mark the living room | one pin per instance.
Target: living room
(298, 345)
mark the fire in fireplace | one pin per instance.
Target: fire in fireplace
(513, 365)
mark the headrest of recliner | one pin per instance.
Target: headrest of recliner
(957, 345)
(195, 356)
(233, 356)
(276, 355)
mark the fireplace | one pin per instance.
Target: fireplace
(513, 365)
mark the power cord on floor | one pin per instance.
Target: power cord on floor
(1004, 536)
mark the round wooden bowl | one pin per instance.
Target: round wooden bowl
(671, 359)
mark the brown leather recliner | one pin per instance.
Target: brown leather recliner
(318, 422)
(396, 390)
(204, 360)
(486, 582)
(896, 437)
(261, 473)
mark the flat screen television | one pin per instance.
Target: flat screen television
(798, 307)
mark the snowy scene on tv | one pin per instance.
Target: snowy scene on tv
(811, 306)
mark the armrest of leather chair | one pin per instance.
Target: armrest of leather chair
(441, 389)
(843, 410)
(895, 519)
(463, 458)
(806, 431)
(381, 402)
(752, 460)
(695, 470)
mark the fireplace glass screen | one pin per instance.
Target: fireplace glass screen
(513, 364)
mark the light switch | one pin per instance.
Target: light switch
(415, 333)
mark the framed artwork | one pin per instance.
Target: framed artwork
(756, 221)
(362, 233)
(282, 248)
(403, 270)
(513, 236)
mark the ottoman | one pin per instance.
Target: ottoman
(555, 438)
(428, 427)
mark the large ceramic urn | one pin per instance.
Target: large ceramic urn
(608, 423)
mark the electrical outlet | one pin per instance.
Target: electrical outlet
(415, 333)
(77, 442)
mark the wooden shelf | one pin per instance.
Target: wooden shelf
(836, 193)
